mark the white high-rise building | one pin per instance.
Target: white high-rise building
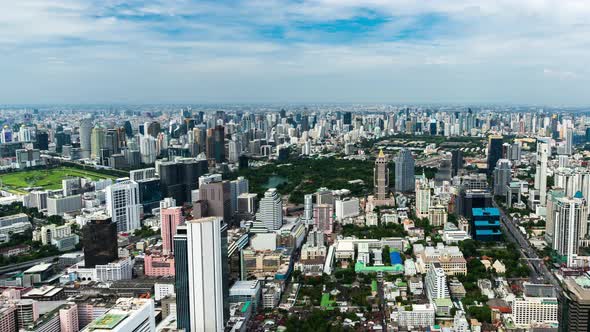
(570, 224)
(347, 208)
(122, 202)
(270, 212)
(422, 197)
(530, 310)
(148, 149)
(237, 187)
(543, 152)
(436, 283)
(569, 141)
(205, 273)
(308, 208)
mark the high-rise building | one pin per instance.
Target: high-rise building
(436, 283)
(502, 176)
(85, 132)
(381, 177)
(422, 197)
(543, 152)
(323, 216)
(270, 212)
(456, 161)
(569, 141)
(495, 143)
(202, 292)
(99, 238)
(308, 208)
(217, 194)
(570, 224)
(404, 171)
(574, 305)
(237, 187)
(97, 141)
(170, 218)
(128, 314)
(122, 202)
(178, 178)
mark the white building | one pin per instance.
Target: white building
(543, 153)
(436, 283)
(437, 215)
(205, 275)
(270, 212)
(58, 205)
(121, 269)
(128, 314)
(122, 203)
(531, 310)
(422, 197)
(419, 317)
(347, 208)
(570, 224)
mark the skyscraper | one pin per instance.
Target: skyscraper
(404, 171)
(422, 197)
(217, 194)
(543, 152)
(495, 143)
(456, 161)
(569, 141)
(85, 131)
(202, 275)
(99, 239)
(381, 176)
(170, 218)
(122, 202)
(323, 216)
(97, 141)
(178, 178)
(502, 176)
(574, 305)
(270, 212)
(570, 224)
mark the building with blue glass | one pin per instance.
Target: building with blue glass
(485, 224)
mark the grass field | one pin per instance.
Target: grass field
(48, 179)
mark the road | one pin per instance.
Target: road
(539, 270)
(26, 265)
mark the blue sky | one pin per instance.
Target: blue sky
(504, 51)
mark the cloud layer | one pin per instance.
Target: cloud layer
(75, 51)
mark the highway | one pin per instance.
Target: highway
(539, 270)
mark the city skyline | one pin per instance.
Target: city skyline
(74, 51)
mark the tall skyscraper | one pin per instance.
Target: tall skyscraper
(502, 176)
(170, 218)
(574, 305)
(436, 283)
(323, 216)
(381, 176)
(570, 224)
(569, 141)
(495, 143)
(404, 171)
(308, 208)
(99, 239)
(237, 187)
(122, 202)
(178, 178)
(85, 132)
(422, 197)
(97, 141)
(456, 161)
(270, 212)
(543, 152)
(217, 194)
(202, 275)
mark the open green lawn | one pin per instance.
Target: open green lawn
(48, 179)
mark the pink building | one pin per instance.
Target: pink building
(7, 317)
(68, 319)
(170, 218)
(158, 266)
(323, 217)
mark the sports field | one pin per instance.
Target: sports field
(48, 179)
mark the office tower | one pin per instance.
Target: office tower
(494, 152)
(152, 128)
(543, 152)
(85, 131)
(148, 148)
(308, 207)
(42, 141)
(404, 171)
(27, 312)
(571, 224)
(574, 305)
(569, 141)
(502, 176)
(99, 239)
(552, 197)
(216, 144)
(347, 118)
(270, 212)
(142, 174)
(202, 292)
(97, 141)
(237, 187)
(122, 203)
(422, 197)
(456, 161)
(436, 283)
(61, 139)
(323, 217)
(218, 197)
(179, 178)
(170, 218)
(381, 177)
(324, 196)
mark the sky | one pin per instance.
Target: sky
(300, 51)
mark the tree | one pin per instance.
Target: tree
(482, 314)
